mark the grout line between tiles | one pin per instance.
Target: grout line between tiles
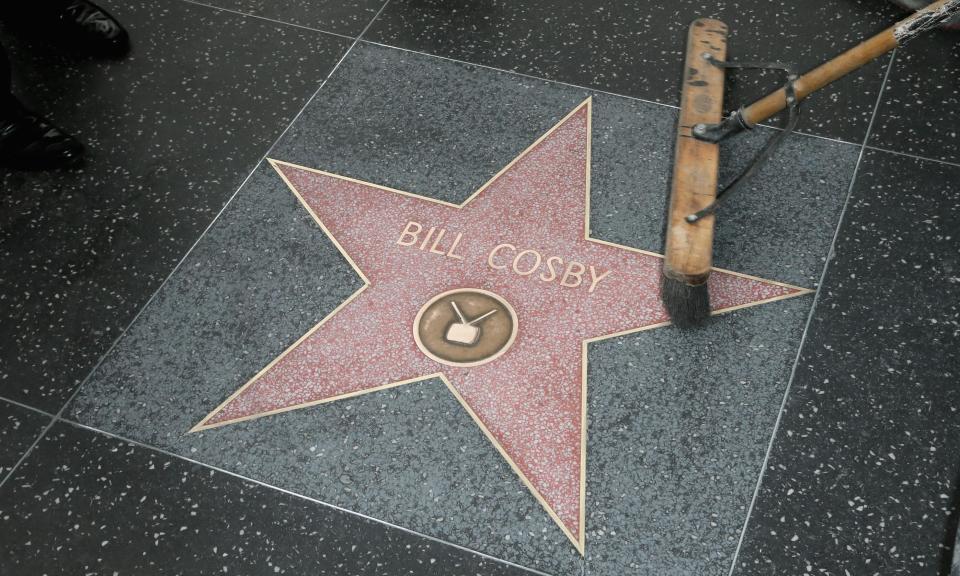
(560, 82)
(514, 72)
(521, 74)
(27, 406)
(273, 20)
(806, 328)
(297, 495)
(28, 451)
(587, 88)
(914, 156)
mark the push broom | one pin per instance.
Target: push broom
(693, 197)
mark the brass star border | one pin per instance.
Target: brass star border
(579, 539)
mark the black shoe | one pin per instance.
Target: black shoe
(29, 142)
(91, 29)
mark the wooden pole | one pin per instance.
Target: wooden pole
(852, 59)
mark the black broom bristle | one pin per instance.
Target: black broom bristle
(687, 304)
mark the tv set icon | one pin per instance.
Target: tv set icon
(464, 333)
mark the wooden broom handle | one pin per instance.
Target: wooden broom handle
(852, 59)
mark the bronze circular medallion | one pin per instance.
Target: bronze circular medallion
(465, 327)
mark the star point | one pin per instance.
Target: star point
(519, 246)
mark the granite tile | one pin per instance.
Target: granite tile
(919, 110)
(86, 503)
(347, 18)
(679, 425)
(171, 132)
(863, 475)
(19, 428)
(637, 48)
(265, 274)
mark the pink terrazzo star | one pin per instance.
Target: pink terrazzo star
(566, 288)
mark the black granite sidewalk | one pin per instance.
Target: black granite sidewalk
(815, 435)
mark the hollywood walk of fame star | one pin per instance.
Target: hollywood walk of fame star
(498, 296)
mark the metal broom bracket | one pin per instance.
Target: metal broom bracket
(736, 123)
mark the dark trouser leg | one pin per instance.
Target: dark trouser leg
(27, 140)
(8, 104)
(4, 76)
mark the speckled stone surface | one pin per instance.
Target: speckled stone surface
(920, 110)
(679, 424)
(85, 503)
(863, 475)
(348, 18)
(170, 135)
(19, 428)
(637, 48)
(265, 274)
